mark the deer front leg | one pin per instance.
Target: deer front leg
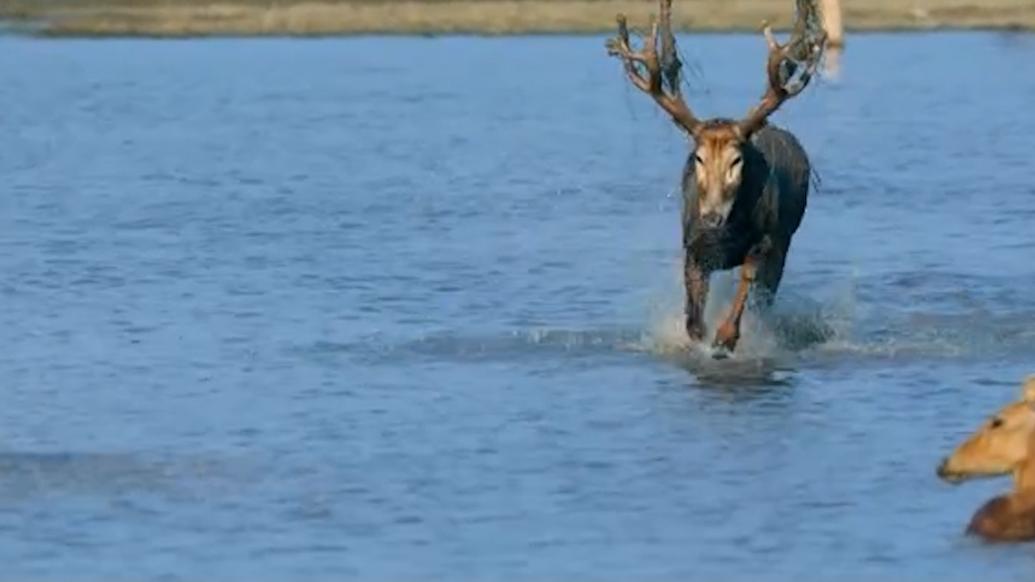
(728, 333)
(696, 281)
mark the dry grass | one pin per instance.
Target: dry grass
(332, 17)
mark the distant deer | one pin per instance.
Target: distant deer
(745, 182)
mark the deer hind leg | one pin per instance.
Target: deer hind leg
(757, 263)
(770, 273)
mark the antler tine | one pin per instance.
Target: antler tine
(619, 46)
(670, 64)
(784, 62)
(651, 74)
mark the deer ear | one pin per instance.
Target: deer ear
(1028, 391)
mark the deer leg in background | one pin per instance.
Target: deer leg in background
(696, 280)
(831, 12)
(769, 275)
(729, 332)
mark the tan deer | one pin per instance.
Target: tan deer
(1004, 444)
(745, 183)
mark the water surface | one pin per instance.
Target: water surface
(409, 309)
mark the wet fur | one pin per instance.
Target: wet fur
(770, 201)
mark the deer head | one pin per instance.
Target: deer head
(719, 152)
(999, 446)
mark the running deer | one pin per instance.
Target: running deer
(745, 182)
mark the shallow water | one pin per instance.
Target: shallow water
(408, 309)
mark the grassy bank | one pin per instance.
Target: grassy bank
(331, 17)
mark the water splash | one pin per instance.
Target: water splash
(795, 323)
(800, 330)
(831, 324)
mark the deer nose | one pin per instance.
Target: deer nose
(945, 474)
(713, 220)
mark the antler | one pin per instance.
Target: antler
(656, 77)
(800, 56)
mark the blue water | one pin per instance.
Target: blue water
(401, 309)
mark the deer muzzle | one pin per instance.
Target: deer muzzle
(713, 219)
(946, 474)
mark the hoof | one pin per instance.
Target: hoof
(695, 333)
(721, 354)
(726, 338)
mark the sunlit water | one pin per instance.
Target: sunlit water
(399, 309)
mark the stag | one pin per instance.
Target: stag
(745, 182)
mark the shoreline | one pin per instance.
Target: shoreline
(328, 18)
(19, 31)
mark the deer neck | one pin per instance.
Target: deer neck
(1024, 475)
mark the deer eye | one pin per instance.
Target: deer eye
(997, 422)
(736, 162)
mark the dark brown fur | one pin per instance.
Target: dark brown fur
(1007, 518)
